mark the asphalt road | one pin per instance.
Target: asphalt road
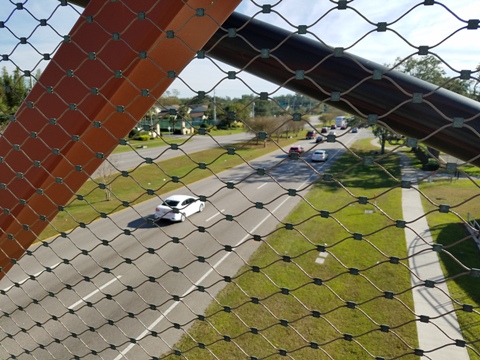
(189, 144)
(106, 286)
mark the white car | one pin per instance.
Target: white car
(178, 208)
(319, 155)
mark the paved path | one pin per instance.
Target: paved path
(437, 337)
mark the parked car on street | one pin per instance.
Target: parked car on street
(319, 155)
(178, 208)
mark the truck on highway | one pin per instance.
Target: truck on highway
(341, 122)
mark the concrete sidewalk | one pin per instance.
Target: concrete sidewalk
(437, 337)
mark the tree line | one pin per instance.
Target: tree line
(15, 86)
(13, 90)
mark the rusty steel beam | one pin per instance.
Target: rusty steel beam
(117, 60)
(435, 116)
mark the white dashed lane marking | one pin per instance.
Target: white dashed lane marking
(215, 215)
(261, 186)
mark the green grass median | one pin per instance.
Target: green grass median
(288, 301)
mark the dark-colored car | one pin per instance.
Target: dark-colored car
(324, 130)
(319, 139)
(355, 130)
(333, 126)
(310, 135)
(296, 149)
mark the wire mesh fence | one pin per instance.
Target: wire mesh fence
(226, 180)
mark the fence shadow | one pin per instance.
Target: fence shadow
(465, 252)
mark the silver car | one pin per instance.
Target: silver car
(319, 155)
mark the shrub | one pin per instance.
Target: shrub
(431, 165)
(133, 133)
(421, 154)
(143, 137)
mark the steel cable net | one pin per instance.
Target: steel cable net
(371, 253)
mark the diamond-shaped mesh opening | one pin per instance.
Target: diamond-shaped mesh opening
(230, 180)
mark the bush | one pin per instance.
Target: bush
(143, 137)
(431, 165)
(421, 154)
(133, 133)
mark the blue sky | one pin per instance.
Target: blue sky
(409, 22)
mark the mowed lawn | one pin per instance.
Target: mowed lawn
(461, 254)
(354, 305)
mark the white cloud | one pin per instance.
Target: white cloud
(352, 28)
(410, 24)
(26, 23)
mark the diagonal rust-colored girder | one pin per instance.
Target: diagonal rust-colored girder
(117, 60)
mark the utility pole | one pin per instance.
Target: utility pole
(214, 108)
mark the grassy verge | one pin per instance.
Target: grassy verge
(168, 140)
(284, 302)
(470, 170)
(153, 143)
(149, 181)
(449, 230)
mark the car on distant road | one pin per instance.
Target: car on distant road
(319, 139)
(355, 130)
(333, 126)
(324, 130)
(310, 135)
(319, 155)
(343, 127)
(178, 207)
(296, 150)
